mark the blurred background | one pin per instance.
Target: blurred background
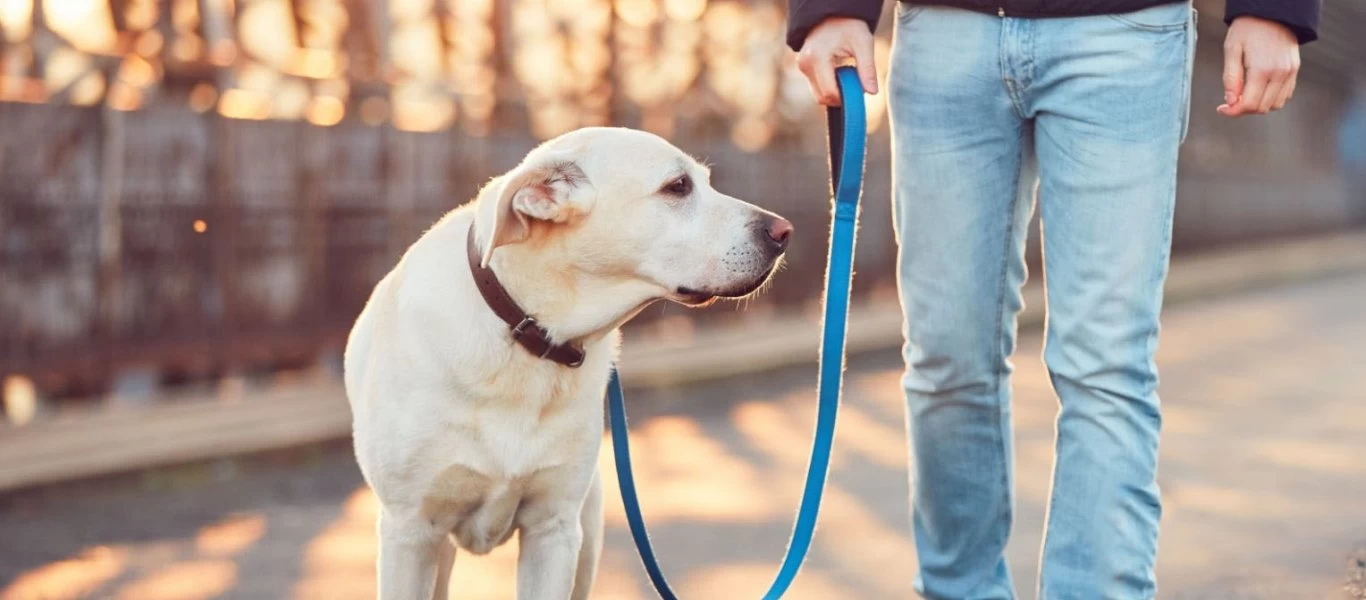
(196, 197)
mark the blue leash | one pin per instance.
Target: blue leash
(848, 137)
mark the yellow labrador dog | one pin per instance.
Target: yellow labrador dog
(477, 370)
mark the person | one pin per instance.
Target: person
(1082, 105)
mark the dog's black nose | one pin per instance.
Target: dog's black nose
(778, 231)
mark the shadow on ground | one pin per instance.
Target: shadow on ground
(1262, 474)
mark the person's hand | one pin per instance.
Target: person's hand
(1261, 63)
(832, 42)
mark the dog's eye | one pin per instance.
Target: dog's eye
(679, 187)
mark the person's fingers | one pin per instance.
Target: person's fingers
(1274, 88)
(1291, 81)
(1233, 76)
(1253, 92)
(864, 59)
(1287, 92)
(815, 64)
(1282, 77)
(823, 74)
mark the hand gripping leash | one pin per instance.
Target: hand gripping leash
(848, 138)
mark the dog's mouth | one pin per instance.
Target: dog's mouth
(697, 298)
(694, 298)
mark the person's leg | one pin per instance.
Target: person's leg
(963, 182)
(1110, 97)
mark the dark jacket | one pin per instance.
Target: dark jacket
(1301, 16)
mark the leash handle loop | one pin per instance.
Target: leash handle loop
(848, 128)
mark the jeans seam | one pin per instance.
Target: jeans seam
(1147, 27)
(1164, 255)
(1007, 81)
(1000, 335)
(1187, 74)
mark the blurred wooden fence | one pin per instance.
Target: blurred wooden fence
(193, 243)
(197, 244)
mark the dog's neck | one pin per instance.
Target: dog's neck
(571, 304)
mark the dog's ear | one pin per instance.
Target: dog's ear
(535, 190)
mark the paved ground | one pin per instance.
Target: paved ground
(1263, 476)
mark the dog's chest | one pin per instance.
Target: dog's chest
(500, 482)
(482, 511)
(499, 460)
(531, 421)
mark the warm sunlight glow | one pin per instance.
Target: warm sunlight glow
(23, 89)
(150, 43)
(744, 68)
(87, 24)
(409, 9)
(682, 473)
(233, 534)
(190, 580)
(637, 13)
(264, 30)
(137, 71)
(64, 66)
(748, 579)
(21, 399)
(200, 226)
(16, 18)
(340, 560)
(315, 64)
(415, 47)
(187, 48)
(751, 134)
(223, 53)
(561, 54)
(326, 111)
(203, 97)
(685, 10)
(125, 97)
(416, 109)
(472, 40)
(89, 90)
(290, 99)
(140, 14)
(439, 63)
(244, 104)
(75, 577)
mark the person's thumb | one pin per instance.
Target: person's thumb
(1233, 73)
(866, 61)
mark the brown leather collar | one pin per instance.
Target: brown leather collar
(525, 330)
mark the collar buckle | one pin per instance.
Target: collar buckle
(520, 328)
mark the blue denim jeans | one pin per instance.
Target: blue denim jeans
(1086, 115)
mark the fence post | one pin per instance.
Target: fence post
(313, 143)
(399, 180)
(110, 233)
(220, 164)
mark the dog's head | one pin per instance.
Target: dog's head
(634, 213)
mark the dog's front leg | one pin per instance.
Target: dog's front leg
(549, 555)
(408, 554)
(590, 552)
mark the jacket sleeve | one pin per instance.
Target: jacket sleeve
(1301, 16)
(804, 15)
